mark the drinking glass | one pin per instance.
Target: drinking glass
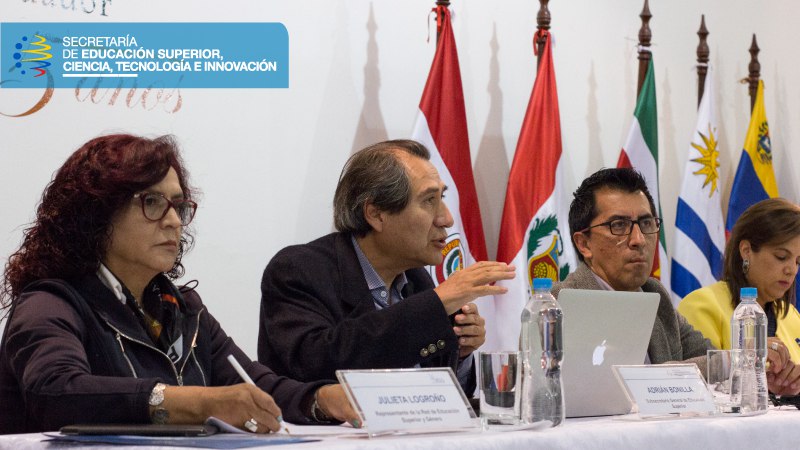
(499, 388)
(721, 377)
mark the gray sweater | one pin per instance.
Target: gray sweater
(673, 338)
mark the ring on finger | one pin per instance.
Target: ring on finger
(774, 346)
(251, 425)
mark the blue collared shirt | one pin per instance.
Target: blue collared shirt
(384, 298)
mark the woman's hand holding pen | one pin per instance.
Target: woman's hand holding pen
(253, 424)
(237, 405)
(246, 402)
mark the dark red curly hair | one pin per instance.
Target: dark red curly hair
(71, 232)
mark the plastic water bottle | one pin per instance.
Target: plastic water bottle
(542, 351)
(749, 334)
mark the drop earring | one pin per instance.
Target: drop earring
(746, 266)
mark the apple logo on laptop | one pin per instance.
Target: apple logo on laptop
(597, 356)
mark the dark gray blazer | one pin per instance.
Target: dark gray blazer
(673, 339)
(318, 315)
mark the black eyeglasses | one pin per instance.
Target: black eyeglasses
(624, 227)
(155, 207)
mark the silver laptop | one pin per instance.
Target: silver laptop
(601, 329)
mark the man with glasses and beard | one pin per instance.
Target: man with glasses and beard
(614, 228)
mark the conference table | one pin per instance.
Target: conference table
(779, 428)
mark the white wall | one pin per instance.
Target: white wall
(267, 161)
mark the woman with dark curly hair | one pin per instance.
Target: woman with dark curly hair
(98, 333)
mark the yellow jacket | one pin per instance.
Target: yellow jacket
(710, 309)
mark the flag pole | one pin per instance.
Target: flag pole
(439, 19)
(702, 58)
(755, 72)
(645, 35)
(542, 23)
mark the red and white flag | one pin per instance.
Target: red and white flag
(534, 234)
(441, 126)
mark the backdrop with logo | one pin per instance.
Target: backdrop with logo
(267, 160)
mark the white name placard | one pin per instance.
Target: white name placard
(403, 400)
(666, 389)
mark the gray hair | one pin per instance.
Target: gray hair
(373, 175)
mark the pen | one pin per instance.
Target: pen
(240, 370)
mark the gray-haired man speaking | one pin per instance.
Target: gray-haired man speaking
(360, 298)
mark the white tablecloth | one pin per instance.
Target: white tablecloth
(778, 429)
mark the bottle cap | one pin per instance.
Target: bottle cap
(748, 292)
(542, 283)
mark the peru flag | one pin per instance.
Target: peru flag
(441, 126)
(534, 233)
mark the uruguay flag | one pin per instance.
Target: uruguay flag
(755, 177)
(699, 229)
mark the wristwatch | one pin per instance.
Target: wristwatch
(159, 415)
(317, 413)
